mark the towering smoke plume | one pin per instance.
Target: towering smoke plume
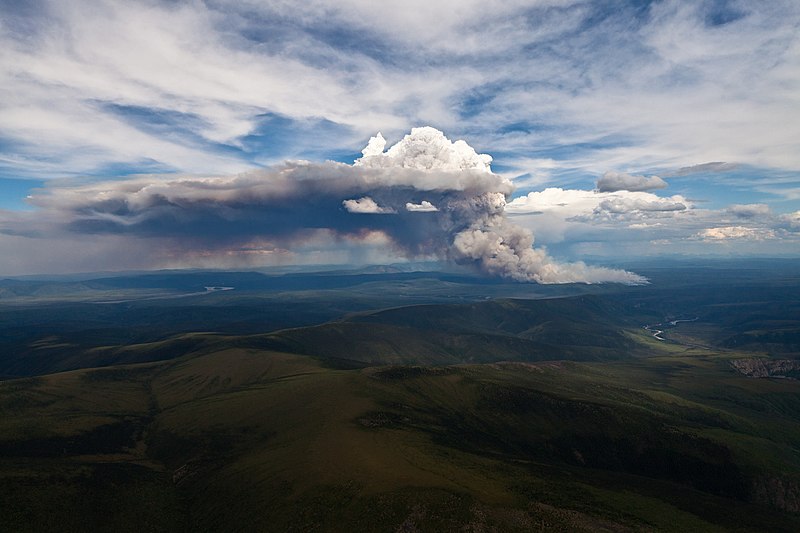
(427, 195)
(476, 228)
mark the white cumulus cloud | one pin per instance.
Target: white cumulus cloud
(422, 207)
(570, 203)
(790, 221)
(366, 205)
(728, 233)
(424, 148)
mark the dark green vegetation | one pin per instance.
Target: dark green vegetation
(401, 402)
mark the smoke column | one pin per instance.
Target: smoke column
(478, 230)
(425, 196)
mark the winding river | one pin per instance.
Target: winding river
(670, 324)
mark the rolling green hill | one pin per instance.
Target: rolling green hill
(403, 405)
(235, 438)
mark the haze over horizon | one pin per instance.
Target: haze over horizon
(138, 135)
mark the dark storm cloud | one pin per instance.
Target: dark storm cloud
(281, 204)
(428, 196)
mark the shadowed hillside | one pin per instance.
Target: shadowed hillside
(247, 439)
(579, 328)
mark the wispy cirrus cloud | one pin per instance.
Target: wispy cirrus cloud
(713, 166)
(563, 93)
(187, 86)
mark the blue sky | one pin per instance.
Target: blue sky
(704, 94)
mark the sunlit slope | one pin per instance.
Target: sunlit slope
(240, 438)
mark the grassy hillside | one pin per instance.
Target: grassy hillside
(401, 403)
(234, 439)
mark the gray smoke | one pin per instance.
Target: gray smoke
(427, 195)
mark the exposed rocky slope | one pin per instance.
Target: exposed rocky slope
(767, 368)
